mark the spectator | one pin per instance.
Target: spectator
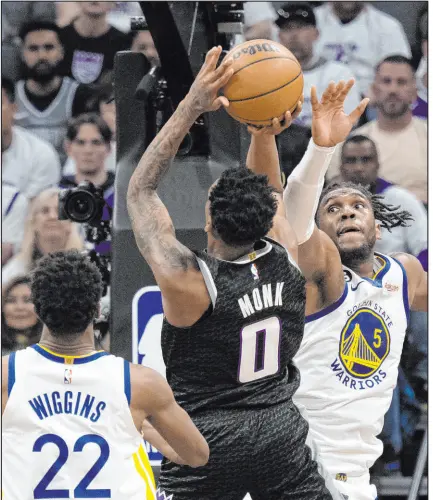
(20, 325)
(358, 34)
(43, 234)
(421, 108)
(360, 164)
(400, 138)
(28, 162)
(298, 33)
(142, 41)
(88, 144)
(91, 43)
(259, 20)
(104, 105)
(45, 100)
(14, 15)
(14, 212)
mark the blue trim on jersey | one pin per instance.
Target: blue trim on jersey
(405, 290)
(377, 280)
(127, 380)
(62, 359)
(329, 309)
(11, 372)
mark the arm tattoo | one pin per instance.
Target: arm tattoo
(151, 223)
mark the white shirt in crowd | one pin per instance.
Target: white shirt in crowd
(30, 163)
(69, 167)
(320, 74)
(14, 212)
(361, 43)
(411, 239)
(120, 16)
(256, 12)
(402, 155)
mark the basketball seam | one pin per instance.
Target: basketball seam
(262, 120)
(265, 59)
(266, 93)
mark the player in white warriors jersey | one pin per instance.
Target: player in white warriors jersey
(72, 415)
(358, 302)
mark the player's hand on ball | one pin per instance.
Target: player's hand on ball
(330, 124)
(277, 126)
(203, 94)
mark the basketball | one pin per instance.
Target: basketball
(267, 81)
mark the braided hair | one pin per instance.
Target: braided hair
(389, 216)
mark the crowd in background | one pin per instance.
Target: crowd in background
(59, 129)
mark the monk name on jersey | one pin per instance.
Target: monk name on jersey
(75, 403)
(368, 315)
(261, 299)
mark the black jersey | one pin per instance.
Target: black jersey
(239, 354)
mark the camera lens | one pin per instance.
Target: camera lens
(81, 206)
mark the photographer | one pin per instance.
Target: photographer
(88, 144)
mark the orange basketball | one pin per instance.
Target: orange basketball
(267, 81)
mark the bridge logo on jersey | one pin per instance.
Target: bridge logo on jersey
(364, 343)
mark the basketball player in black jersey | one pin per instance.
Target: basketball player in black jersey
(234, 318)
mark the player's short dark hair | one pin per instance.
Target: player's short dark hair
(358, 139)
(395, 59)
(66, 290)
(389, 216)
(9, 88)
(242, 207)
(32, 26)
(88, 119)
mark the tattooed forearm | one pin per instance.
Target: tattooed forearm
(155, 236)
(161, 151)
(151, 222)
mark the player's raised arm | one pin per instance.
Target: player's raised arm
(330, 126)
(172, 264)
(152, 398)
(262, 158)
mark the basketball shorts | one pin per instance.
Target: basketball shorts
(261, 452)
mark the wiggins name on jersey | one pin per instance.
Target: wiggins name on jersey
(68, 431)
(348, 362)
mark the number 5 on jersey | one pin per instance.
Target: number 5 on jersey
(259, 350)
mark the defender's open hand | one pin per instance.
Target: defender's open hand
(330, 123)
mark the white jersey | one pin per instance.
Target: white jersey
(320, 73)
(361, 43)
(348, 362)
(68, 431)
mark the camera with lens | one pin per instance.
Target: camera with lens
(83, 204)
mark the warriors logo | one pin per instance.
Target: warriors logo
(364, 343)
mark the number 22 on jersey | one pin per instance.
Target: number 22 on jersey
(81, 490)
(259, 349)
